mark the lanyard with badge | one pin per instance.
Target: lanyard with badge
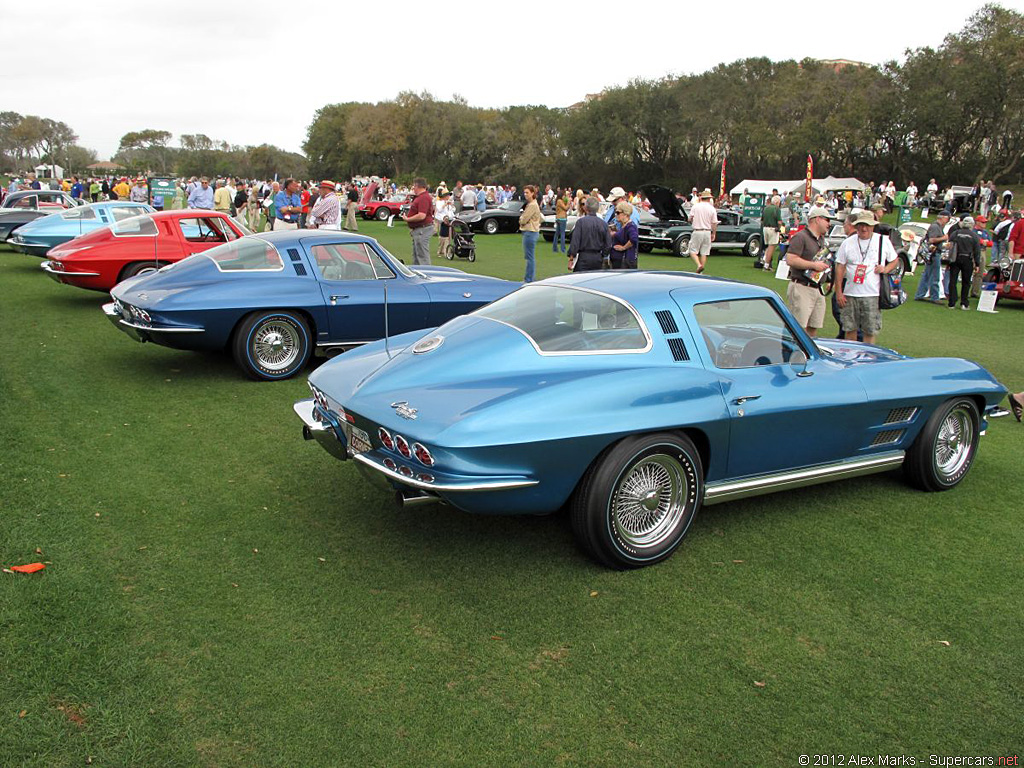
(862, 269)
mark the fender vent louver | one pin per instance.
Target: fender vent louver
(678, 348)
(668, 323)
(900, 415)
(888, 436)
(294, 255)
(299, 270)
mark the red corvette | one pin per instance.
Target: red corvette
(101, 259)
(381, 210)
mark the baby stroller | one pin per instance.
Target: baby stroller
(460, 244)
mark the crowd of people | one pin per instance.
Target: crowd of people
(91, 189)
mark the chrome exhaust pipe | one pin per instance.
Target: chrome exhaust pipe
(404, 500)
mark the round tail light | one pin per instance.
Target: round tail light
(423, 454)
(403, 446)
(385, 439)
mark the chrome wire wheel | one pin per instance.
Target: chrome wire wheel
(649, 501)
(275, 345)
(954, 441)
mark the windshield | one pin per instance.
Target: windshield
(136, 226)
(561, 320)
(396, 263)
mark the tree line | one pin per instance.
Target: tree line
(26, 140)
(954, 112)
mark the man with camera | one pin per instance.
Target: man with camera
(863, 258)
(806, 260)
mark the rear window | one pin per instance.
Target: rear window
(85, 212)
(136, 226)
(122, 212)
(247, 254)
(562, 320)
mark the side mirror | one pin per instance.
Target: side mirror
(798, 362)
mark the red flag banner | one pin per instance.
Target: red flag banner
(721, 191)
(809, 186)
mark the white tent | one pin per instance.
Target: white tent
(820, 186)
(761, 187)
(46, 170)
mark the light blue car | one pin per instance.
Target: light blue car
(636, 398)
(39, 236)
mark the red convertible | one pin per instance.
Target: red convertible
(381, 210)
(101, 259)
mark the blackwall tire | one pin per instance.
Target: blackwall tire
(637, 500)
(681, 246)
(944, 451)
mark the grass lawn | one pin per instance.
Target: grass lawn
(220, 593)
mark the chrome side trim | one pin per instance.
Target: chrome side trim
(344, 343)
(161, 329)
(57, 274)
(482, 484)
(716, 493)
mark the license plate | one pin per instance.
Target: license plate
(360, 441)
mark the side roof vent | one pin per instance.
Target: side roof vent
(667, 322)
(678, 348)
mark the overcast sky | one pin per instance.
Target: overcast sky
(246, 73)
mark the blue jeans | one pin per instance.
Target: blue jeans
(998, 246)
(928, 283)
(559, 235)
(529, 247)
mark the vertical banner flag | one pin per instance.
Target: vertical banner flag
(721, 191)
(808, 191)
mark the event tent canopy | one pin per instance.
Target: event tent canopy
(820, 186)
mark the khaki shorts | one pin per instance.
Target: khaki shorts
(807, 305)
(861, 313)
(700, 242)
(771, 235)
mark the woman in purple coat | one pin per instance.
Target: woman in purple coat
(624, 239)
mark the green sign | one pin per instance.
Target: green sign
(162, 188)
(906, 214)
(753, 205)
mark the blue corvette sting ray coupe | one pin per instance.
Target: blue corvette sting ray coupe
(39, 236)
(638, 397)
(275, 298)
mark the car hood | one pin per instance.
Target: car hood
(664, 202)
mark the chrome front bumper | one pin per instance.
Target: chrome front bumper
(57, 274)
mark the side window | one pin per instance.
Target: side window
(746, 333)
(202, 230)
(29, 201)
(343, 261)
(122, 212)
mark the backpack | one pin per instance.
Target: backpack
(890, 293)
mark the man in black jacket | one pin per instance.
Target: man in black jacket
(966, 254)
(591, 242)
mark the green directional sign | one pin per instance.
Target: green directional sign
(161, 192)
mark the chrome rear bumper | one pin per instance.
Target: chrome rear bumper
(57, 274)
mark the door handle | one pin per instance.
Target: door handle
(335, 297)
(742, 400)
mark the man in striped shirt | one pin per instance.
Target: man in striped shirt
(326, 214)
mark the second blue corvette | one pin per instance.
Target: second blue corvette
(275, 298)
